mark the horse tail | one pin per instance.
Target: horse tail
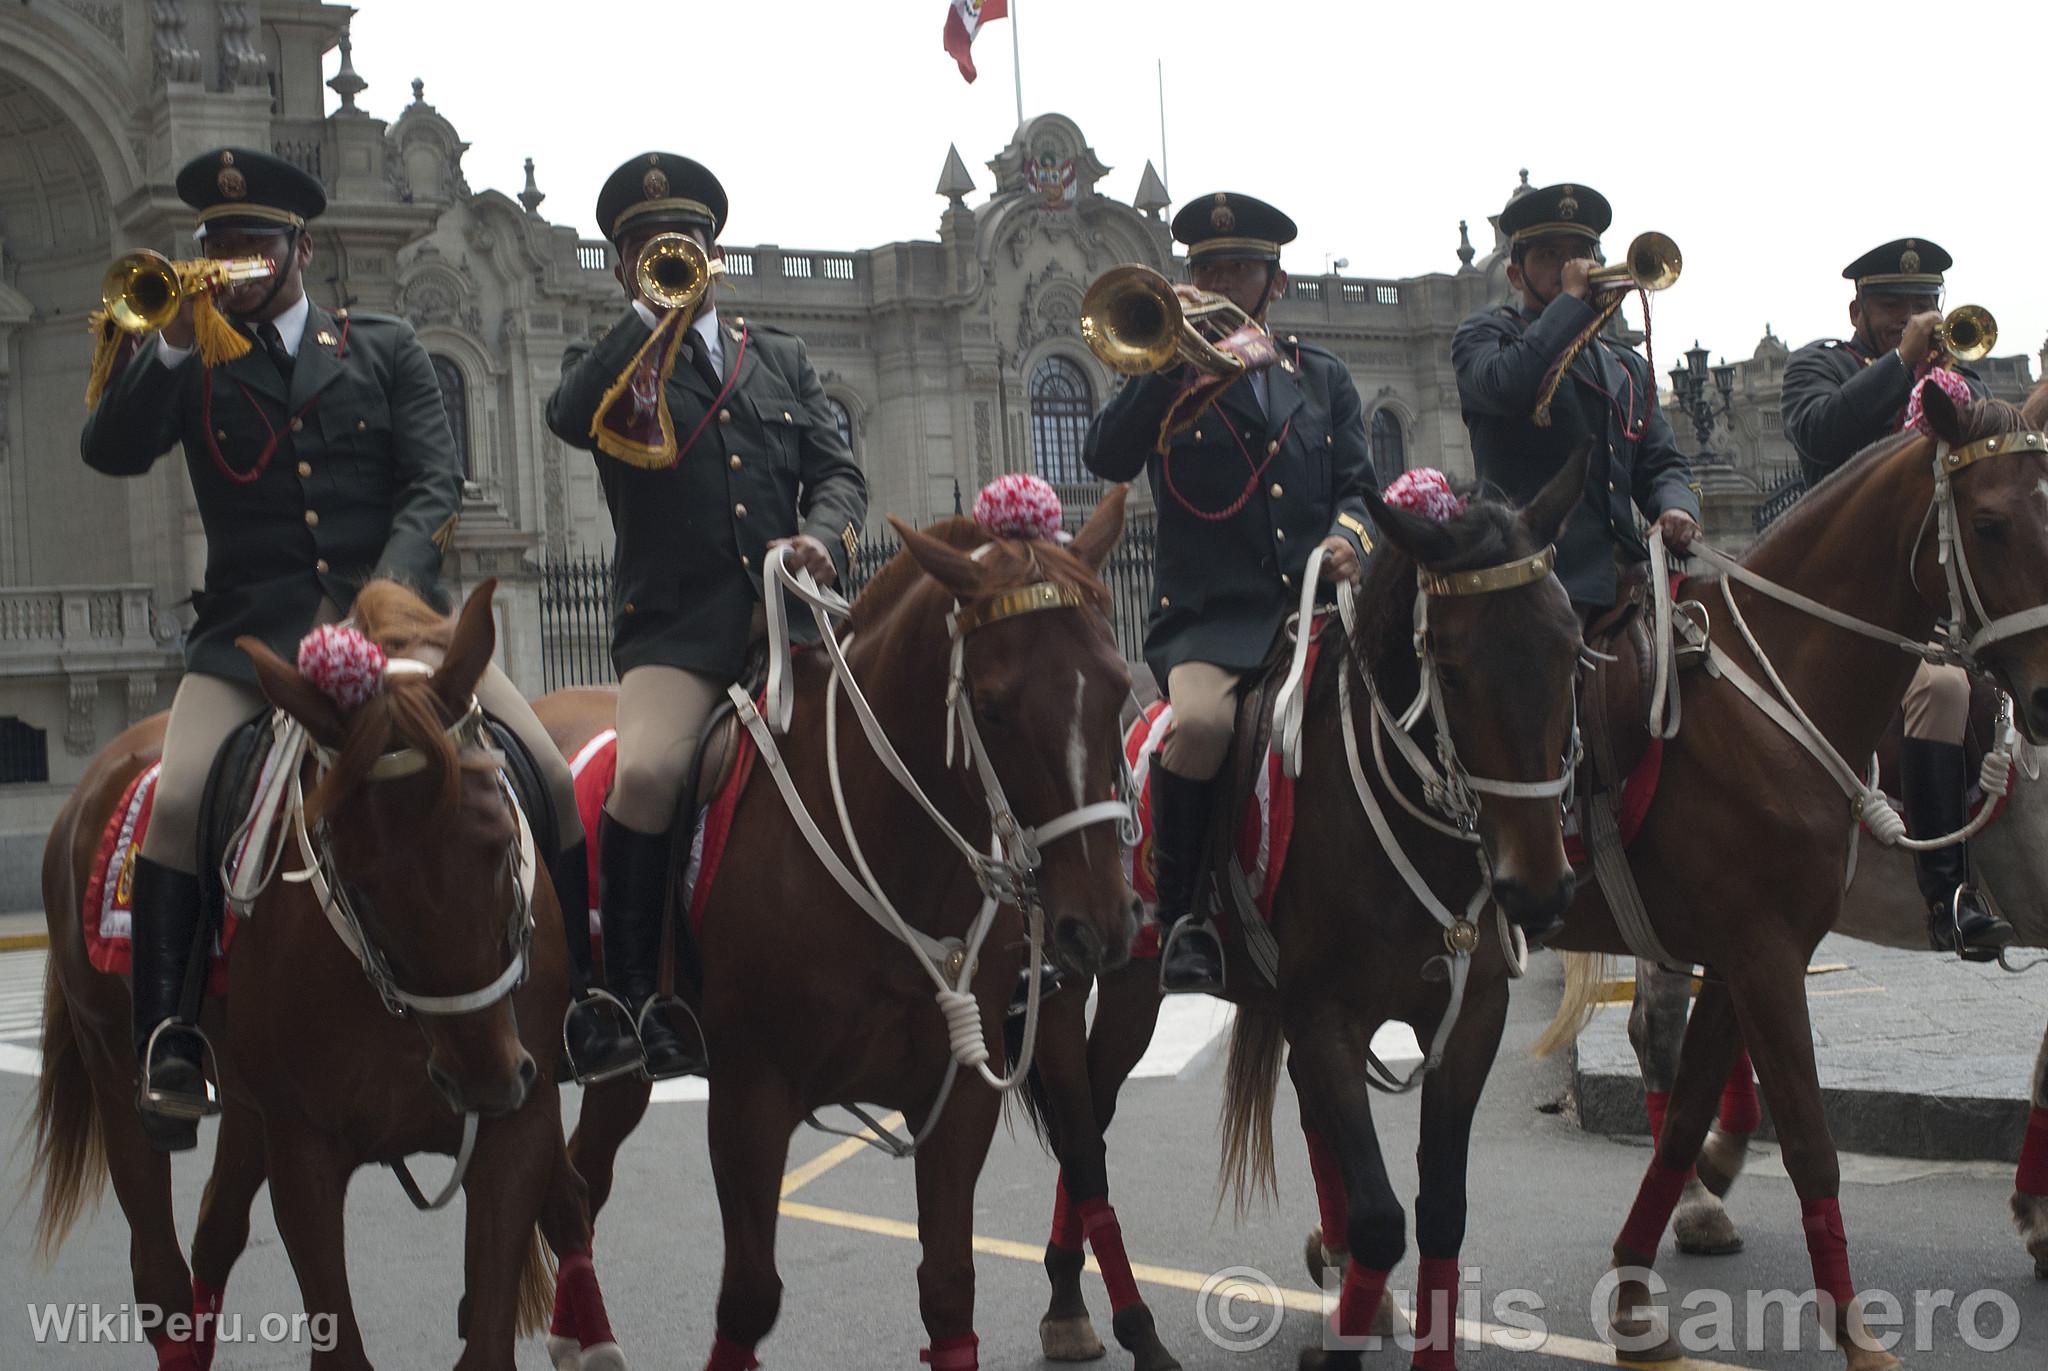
(69, 1157)
(1585, 977)
(1031, 1099)
(536, 1287)
(1251, 1080)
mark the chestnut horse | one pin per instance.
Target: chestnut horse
(1741, 858)
(806, 1000)
(317, 1077)
(1358, 945)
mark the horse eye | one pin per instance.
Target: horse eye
(993, 712)
(1450, 677)
(1990, 527)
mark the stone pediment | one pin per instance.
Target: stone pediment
(1049, 156)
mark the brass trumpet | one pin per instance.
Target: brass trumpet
(1652, 262)
(1136, 322)
(142, 291)
(673, 272)
(1968, 333)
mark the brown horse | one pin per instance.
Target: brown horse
(317, 1078)
(1741, 858)
(1357, 945)
(806, 1001)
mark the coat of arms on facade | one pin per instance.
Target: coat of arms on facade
(1055, 181)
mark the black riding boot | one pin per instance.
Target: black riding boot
(634, 868)
(172, 1094)
(598, 1042)
(1935, 778)
(1190, 953)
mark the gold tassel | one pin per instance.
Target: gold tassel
(219, 341)
(629, 440)
(106, 347)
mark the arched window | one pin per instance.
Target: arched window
(24, 752)
(1389, 448)
(842, 419)
(455, 399)
(1061, 405)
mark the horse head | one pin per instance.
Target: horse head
(1504, 647)
(1045, 693)
(419, 837)
(1998, 478)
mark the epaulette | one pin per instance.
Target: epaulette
(1301, 344)
(359, 317)
(757, 326)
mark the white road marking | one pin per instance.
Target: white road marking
(21, 993)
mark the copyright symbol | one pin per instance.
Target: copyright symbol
(1239, 1309)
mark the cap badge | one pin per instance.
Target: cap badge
(232, 183)
(1568, 207)
(1909, 262)
(654, 185)
(1222, 218)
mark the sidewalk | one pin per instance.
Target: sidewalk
(1920, 1056)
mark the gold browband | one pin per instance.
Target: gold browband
(677, 204)
(1508, 575)
(1548, 230)
(242, 209)
(2027, 440)
(1023, 600)
(1214, 245)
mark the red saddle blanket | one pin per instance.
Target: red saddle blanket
(108, 908)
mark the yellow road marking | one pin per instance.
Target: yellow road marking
(24, 942)
(797, 1179)
(1622, 989)
(1298, 1301)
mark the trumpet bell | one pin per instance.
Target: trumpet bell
(673, 271)
(1969, 333)
(140, 291)
(1131, 319)
(1652, 262)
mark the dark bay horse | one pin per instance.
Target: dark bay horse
(1742, 856)
(1357, 945)
(317, 1077)
(806, 1000)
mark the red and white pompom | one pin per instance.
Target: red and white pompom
(1958, 390)
(1019, 506)
(1425, 491)
(342, 664)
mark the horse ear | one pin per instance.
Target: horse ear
(944, 563)
(1098, 537)
(1941, 413)
(469, 652)
(287, 690)
(2035, 410)
(1545, 515)
(1422, 538)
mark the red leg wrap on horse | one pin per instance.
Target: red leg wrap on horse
(1360, 1300)
(727, 1355)
(578, 1279)
(953, 1354)
(1655, 1200)
(206, 1302)
(1436, 1315)
(1740, 1111)
(1334, 1208)
(1657, 1103)
(1106, 1236)
(1828, 1245)
(2033, 1172)
(1066, 1223)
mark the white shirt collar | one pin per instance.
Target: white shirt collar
(705, 326)
(291, 325)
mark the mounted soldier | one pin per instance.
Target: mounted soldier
(1253, 464)
(1840, 396)
(320, 457)
(714, 445)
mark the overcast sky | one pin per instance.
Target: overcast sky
(1775, 142)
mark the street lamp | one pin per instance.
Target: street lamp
(1340, 263)
(1702, 405)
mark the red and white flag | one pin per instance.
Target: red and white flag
(964, 19)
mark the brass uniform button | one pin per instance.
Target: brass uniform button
(297, 423)
(1329, 440)
(312, 518)
(362, 424)
(321, 566)
(1272, 447)
(305, 468)
(785, 416)
(1198, 435)
(1292, 339)
(733, 461)
(1280, 535)
(1164, 602)
(627, 608)
(1278, 490)
(220, 434)
(739, 511)
(725, 416)
(744, 561)
(1284, 581)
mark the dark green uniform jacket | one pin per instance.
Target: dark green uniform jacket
(1501, 356)
(1837, 402)
(363, 481)
(1223, 586)
(686, 572)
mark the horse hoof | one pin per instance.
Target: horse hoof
(1637, 1340)
(1721, 1159)
(1322, 1259)
(566, 1354)
(602, 1356)
(1136, 1333)
(1070, 1338)
(1701, 1225)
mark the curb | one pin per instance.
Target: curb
(24, 942)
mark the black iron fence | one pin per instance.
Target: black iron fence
(576, 603)
(1781, 495)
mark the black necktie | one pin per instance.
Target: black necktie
(273, 343)
(700, 358)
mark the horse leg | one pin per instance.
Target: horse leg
(223, 1231)
(1327, 1251)
(509, 1176)
(948, 1165)
(1328, 1064)
(580, 1337)
(1656, 1027)
(611, 1111)
(2030, 1184)
(1064, 1099)
(1450, 1097)
(751, 1115)
(308, 1183)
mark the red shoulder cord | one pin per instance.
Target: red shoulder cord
(1258, 468)
(717, 404)
(262, 462)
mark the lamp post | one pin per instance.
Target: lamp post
(1690, 383)
(1330, 259)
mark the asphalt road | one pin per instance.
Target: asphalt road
(1547, 1200)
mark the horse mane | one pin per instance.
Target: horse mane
(1019, 561)
(406, 712)
(1488, 533)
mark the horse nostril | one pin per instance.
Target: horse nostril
(1079, 945)
(528, 1072)
(2038, 708)
(444, 1083)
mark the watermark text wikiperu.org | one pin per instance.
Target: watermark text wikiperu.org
(87, 1325)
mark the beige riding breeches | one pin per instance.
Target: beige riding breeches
(1204, 698)
(1938, 704)
(662, 712)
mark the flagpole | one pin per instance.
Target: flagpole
(1165, 167)
(1016, 63)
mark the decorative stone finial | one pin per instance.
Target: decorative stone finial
(345, 82)
(954, 182)
(419, 97)
(1465, 252)
(1152, 196)
(533, 194)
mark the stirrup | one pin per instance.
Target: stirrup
(625, 1016)
(1192, 925)
(168, 1105)
(1961, 946)
(656, 1001)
